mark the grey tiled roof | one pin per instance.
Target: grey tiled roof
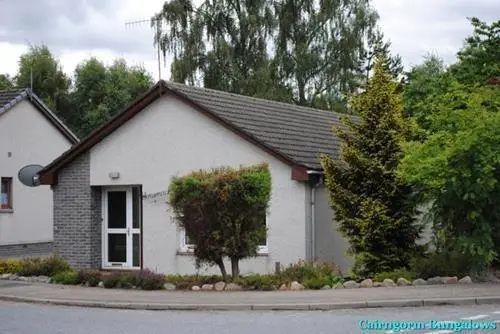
(300, 133)
(9, 98)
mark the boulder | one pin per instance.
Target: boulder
(169, 286)
(465, 280)
(450, 280)
(233, 287)
(326, 287)
(435, 280)
(338, 286)
(101, 284)
(378, 284)
(283, 287)
(207, 287)
(5, 276)
(403, 282)
(14, 277)
(351, 285)
(296, 286)
(419, 281)
(367, 283)
(219, 286)
(388, 283)
(195, 288)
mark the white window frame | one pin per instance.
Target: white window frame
(189, 248)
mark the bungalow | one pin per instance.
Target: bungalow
(110, 205)
(29, 134)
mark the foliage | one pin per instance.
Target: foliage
(148, 280)
(479, 58)
(6, 82)
(259, 282)
(112, 281)
(373, 206)
(50, 83)
(395, 274)
(186, 282)
(457, 169)
(444, 263)
(68, 277)
(425, 84)
(102, 92)
(223, 211)
(90, 277)
(317, 61)
(10, 266)
(43, 266)
(304, 270)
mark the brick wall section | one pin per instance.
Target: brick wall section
(77, 219)
(26, 250)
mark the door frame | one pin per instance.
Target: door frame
(129, 230)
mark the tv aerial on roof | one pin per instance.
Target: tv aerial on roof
(29, 175)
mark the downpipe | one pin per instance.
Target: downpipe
(316, 182)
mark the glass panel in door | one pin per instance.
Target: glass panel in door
(117, 227)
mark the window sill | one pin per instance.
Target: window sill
(6, 210)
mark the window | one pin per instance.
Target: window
(187, 246)
(6, 193)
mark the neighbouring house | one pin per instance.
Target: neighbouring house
(110, 190)
(29, 134)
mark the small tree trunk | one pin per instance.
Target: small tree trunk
(235, 267)
(222, 268)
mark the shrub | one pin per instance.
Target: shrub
(112, 281)
(394, 275)
(259, 282)
(66, 277)
(128, 281)
(223, 211)
(451, 263)
(47, 266)
(304, 270)
(149, 280)
(10, 266)
(92, 277)
(316, 283)
(184, 282)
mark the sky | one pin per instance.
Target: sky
(77, 29)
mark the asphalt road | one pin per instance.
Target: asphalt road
(18, 318)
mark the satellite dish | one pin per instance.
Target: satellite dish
(28, 175)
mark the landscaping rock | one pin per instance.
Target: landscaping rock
(403, 282)
(207, 287)
(5, 276)
(378, 284)
(435, 280)
(101, 284)
(14, 277)
(169, 286)
(296, 286)
(351, 285)
(219, 286)
(233, 287)
(23, 279)
(388, 283)
(465, 280)
(326, 287)
(283, 287)
(450, 280)
(195, 288)
(338, 286)
(419, 281)
(367, 283)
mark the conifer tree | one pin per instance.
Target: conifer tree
(374, 208)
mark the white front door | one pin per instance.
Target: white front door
(121, 227)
